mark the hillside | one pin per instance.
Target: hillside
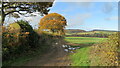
(74, 30)
(105, 30)
(92, 33)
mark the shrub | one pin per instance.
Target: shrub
(114, 40)
(106, 53)
(11, 43)
(32, 35)
(15, 43)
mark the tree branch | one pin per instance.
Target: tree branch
(11, 12)
(17, 11)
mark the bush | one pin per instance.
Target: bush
(15, 43)
(114, 40)
(12, 43)
(33, 36)
(106, 53)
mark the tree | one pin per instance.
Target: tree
(23, 8)
(53, 22)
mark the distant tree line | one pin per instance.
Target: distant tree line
(74, 30)
(91, 35)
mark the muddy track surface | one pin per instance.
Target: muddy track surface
(55, 57)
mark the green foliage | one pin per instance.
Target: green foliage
(25, 26)
(14, 27)
(32, 35)
(12, 46)
(14, 43)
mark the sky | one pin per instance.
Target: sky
(83, 15)
(88, 15)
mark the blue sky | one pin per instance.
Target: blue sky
(83, 15)
(88, 15)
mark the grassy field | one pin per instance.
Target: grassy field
(81, 57)
(84, 40)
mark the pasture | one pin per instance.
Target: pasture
(81, 57)
(84, 40)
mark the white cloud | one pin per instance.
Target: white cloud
(34, 21)
(72, 7)
(36, 13)
(112, 18)
(28, 18)
(107, 8)
(77, 20)
(83, 4)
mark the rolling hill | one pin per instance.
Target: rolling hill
(92, 33)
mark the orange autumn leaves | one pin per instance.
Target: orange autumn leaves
(53, 22)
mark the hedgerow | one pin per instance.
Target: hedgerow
(106, 53)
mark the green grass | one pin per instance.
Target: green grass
(84, 40)
(18, 61)
(81, 57)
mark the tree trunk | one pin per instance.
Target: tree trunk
(3, 19)
(3, 15)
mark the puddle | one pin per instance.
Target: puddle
(70, 49)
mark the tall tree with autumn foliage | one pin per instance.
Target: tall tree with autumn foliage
(53, 22)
